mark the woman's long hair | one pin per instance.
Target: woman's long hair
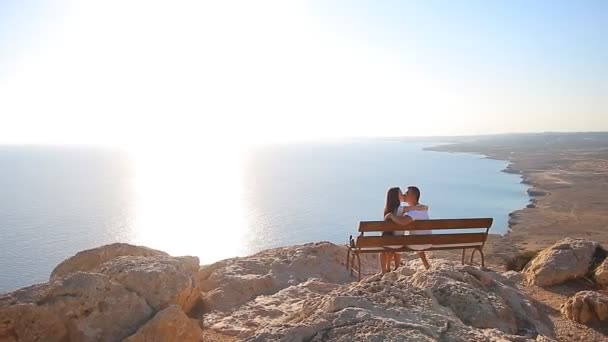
(392, 200)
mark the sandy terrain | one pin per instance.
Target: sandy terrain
(550, 299)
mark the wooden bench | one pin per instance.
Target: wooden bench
(441, 239)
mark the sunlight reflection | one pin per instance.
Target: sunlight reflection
(189, 201)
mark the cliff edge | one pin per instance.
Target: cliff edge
(122, 292)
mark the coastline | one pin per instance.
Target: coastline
(567, 175)
(510, 169)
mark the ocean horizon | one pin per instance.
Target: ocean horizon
(59, 200)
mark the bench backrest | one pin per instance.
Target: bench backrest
(390, 226)
(442, 238)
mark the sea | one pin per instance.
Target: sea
(217, 202)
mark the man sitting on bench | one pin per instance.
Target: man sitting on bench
(412, 198)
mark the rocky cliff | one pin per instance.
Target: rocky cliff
(300, 293)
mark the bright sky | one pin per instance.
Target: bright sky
(132, 72)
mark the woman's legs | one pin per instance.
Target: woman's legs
(386, 258)
(389, 260)
(424, 261)
(397, 258)
(383, 257)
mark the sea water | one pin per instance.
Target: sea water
(216, 203)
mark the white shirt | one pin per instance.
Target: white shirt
(418, 215)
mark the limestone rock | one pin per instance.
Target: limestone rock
(449, 302)
(161, 280)
(586, 307)
(80, 307)
(375, 309)
(29, 322)
(483, 299)
(565, 260)
(287, 294)
(90, 259)
(169, 325)
(601, 274)
(233, 282)
(271, 309)
(513, 276)
(464, 294)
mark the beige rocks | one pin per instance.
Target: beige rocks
(161, 280)
(513, 276)
(586, 307)
(122, 288)
(266, 310)
(79, 307)
(87, 260)
(29, 322)
(375, 309)
(601, 274)
(482, 299)
(567, 259)
(233, 282)
(287, 294)
(464, 294)
(169, 325)
(449, 302)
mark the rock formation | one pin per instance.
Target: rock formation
(169, 325)
(374, 309)
(482, 299)
(601, 274)
(80, 307)
(565, 260)
(586, 307)
(90, 259)
(259, 301)
(121, 292)
(233, 282)
(160, 280)
(116, 295)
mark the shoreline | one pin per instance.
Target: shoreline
(567, 176)
(509, 169)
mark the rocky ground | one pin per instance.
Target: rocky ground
(305, 293)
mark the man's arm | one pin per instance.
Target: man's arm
(401, 220)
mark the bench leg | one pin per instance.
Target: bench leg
(463, 252)
(483, 261)
(347, 256)
(359, 264)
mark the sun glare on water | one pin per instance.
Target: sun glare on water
(189, 200)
